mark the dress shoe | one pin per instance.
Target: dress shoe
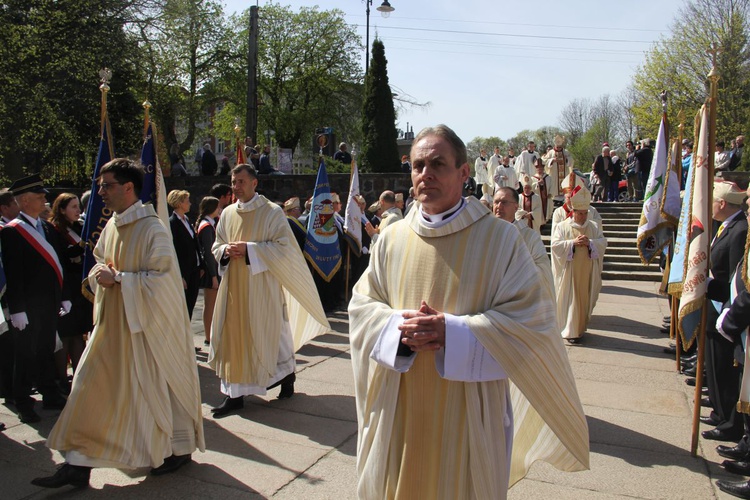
(737, 488)
(171, 464)
(576, 340)
(66, 474)
(2, 426)
(719, 435)
(691, 381)
(287, 386)
(206, 343)
(740, 467)
(667, 318)
(28, 416)
(689, 359)
(688, 365)
(197, 349)
(670, 350)
(704, 390)
(733, 452)
(710, 420)
(228, 406)
(705, 403)
(665, 330)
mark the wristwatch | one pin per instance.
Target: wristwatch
(118, 277)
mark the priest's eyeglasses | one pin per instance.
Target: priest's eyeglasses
(107, 185)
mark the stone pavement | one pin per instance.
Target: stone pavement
(638, 408)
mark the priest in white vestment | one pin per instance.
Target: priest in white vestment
(526, 161)
(559, 165)
(542, 186)
(481, 175)
(267, 305)
(461, 378)
(505, 175)
(530, 206)
(135, 400)
(504, 207)
(578, 247)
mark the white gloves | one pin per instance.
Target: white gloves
(19, 320)
(65, 307)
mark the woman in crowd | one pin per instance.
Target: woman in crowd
(208, 211)
(189, 255)
(66, 211)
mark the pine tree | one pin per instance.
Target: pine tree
(380, 150)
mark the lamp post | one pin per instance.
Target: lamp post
(385, 10)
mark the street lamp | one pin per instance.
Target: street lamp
(385, 10)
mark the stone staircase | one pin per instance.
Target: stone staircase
(621, 260)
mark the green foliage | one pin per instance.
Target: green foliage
(380, 148)
(50, 56)
(680, 63)
(474, 146)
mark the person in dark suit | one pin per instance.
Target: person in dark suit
(601, 166)
(208, 161)
(32, 257)
(727, 250)
(186, 246)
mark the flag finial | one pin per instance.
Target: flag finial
(714, 52)
(663, 96)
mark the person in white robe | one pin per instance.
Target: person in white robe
(504, 207)
(489, 188)
(480, 174)
(135, 399)
(577, 247)
(573, 183)
(559, 165)
(542, 186)
(461, 378)
(267, 305)
(526, 160)
(530, 206)
(505, 175)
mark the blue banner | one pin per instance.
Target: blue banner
(677, 266)
(97, 214)
(322, 242)
(148, 160)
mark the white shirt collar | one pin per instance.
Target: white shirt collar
(438, 220)
(245, 205)
(35, 220)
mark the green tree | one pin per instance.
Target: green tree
(474, 146)
(308, 75)
(380, 149)
(50, 56)
(680, 64)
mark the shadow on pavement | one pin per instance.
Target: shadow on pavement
(623, 291)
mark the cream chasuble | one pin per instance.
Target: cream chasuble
(255, 301)
(423, 436)
(560, 214)
(531, 204)
(539, 255)
(743, 405)
(135, 398)
(578, 274)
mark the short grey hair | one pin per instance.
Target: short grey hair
(458, 146)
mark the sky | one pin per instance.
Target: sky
(494, 68)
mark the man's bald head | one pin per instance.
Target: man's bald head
(387, 199)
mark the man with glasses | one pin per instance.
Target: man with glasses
(135, 400)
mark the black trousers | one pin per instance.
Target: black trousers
(191, 292)
(6, 364)
(722, 377)
(34, 355)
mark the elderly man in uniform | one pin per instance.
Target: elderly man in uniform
(441, 345)
(578, 247)
(32, 255)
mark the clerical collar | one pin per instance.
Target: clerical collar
(246, 204)
(131, 208)
(437, 220)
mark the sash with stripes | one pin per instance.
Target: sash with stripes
(203, 225)
(41, 245)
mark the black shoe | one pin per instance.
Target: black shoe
(705, 403)
(737, 488)
(197, 349)
(66, 474)
(171, 464)
(665, 330)
(2, 426)
(576, 340)
(56, 402)
(667, 318)
(737, 467)
(670, 350)
(206, 343)
(688, 358)
(733, 452)
(691, 381)
(719, 435)
(287, 387)
(687, 366)
(704, 390)
(28, 416)
(228, 406)
(710, 420)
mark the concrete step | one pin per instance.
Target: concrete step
(642, 276)
(629, 258)
(635, 267)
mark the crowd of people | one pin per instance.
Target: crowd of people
(451, 272)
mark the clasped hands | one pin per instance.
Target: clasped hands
(423, 329)
(236, 250)
(581, 241)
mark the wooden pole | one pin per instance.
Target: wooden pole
(673, 330)
(713, 76)
(348, 272)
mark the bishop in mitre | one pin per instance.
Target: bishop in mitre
(570, 185)
(135, 400)
(559, 165)
(267, 306)
(577, 246)
(461, 378)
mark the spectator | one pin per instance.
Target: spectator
(687, 159)
(721, 158)
(208, 161)
(643, 158)
(405, 164)
(265, 162)
(343, 155)
(615, 174)
(736, 153)
(225, 168)
(602, 166)
(186, 245)
(208, 213)
(630, 173)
